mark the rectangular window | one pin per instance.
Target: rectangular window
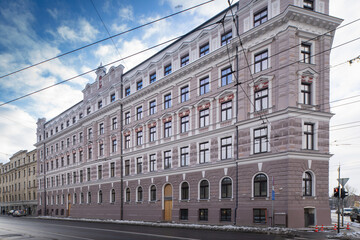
(112, 97)
(184, 214)
(226, 111)
(153, 77)
(127, 168)
(88, 176)
(259, 215)
(261, 61)
(184, 124)
(306, 93)
(261, 99)
(204, 152)
(204, 119)
(305, 53)
(80, 137)
(260, 17)
(152, 134)
(167, 159)
(167, 129)
(101, 149)
(226, 148)
(114, 123)
(167, 69)
(226, 38)
(203, 214)
(184, 154)
(127, 91)
(74, 177)
(260, 140)
(139, 138)
(74, 157)
(309, 136)
(167, 101)
(226, 76)
(152, 107)
(204, 49)
(112, 169)
(99, 104)
(152, 162)
(139, 85)
(74, 121)
(184, 94)
(114, 145)
(185, 60)
(309, 4)
(127, 117)
(225, 214)
(101, 128)
(89, 133)
(204, 85)
(90, 153)
(100, 172)
(139, 165)
(88, 111)
(127, 141)
(81, 176)
(81, 154)
(139, 113)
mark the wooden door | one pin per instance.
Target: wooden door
(168, 203)
(69, 205)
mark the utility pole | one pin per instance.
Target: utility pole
(338, 230)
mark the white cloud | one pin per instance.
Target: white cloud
(118, 28)
(126, 13)
(82, 32)
(53, 13)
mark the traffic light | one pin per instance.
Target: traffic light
(336, 192)
(344, 193)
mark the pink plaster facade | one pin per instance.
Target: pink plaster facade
(207, 139)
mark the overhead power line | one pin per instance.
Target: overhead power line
(105, 39)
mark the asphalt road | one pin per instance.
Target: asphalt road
(32, 228)
(12, 228)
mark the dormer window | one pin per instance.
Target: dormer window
(309, 4)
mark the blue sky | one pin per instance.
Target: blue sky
(31, 31)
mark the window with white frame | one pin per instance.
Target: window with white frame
(152, 107)
(167, 159)
(167, 101)
(306, 93)
(167, 129)
(127, 91)
(101, 128)
(127, 168)
(261, 98)
(112, 196)
(139, 85)
(226, 111)
(204, 117)
(261, 61)
(139, 138)
(261, 140)
(204, 152)
(127, 141)
(226, 148)
(152, 134)
(185, 93)
(112, 169)
(226, 76)
(260, 185)
(226, 38)
(309, 135)
(139, 194)
(139, 165)
(167, 69)
(153, 193)
(101, 149)
(184, 156)
(100, 197)
(127, 195)
(114, 123)
(204, 49)
(100, 172)
(185, 191)
(185, 60)
(152, 77)
(204, 85)
(184, 123)
(309, 4)
(305, 52)
(204, 189)
(307, 184)
(260, 17)
(127, 117)
(226, 188)
(139, 113)
(152, 162)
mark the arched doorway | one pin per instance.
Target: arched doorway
(69, 205)
(168, 203)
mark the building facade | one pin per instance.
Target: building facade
(229, 124)
(18, 183)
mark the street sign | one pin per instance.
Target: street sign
(273, 195)
(343, 181)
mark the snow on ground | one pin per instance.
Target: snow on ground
(353, 233)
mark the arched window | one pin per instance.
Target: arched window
(100, 196)
(127, 195)
(204, 189)
(139, 194)
(226, 188)
(153, 193)
(75, 198)
(307, 184)
(184, 191)
(81, 197)
(89, 197)
(113, 195)
(260, 185)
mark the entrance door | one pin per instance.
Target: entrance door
(168, 203)
(309, 216)
(69, 205)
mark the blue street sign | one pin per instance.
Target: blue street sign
(273, 195)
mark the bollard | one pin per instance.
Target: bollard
(316, 229)
(322, 228)
(348, 226)
(335, 227)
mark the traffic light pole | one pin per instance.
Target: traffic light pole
(338, 230)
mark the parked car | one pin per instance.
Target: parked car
(19, 213)
(347, 211)
(355, 215)
(11, 212)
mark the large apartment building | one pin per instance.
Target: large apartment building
(227, 125)
(18, 183)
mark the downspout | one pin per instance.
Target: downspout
(121, 155)
(237, 130)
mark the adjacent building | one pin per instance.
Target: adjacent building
(229, 124)
(18, 183)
